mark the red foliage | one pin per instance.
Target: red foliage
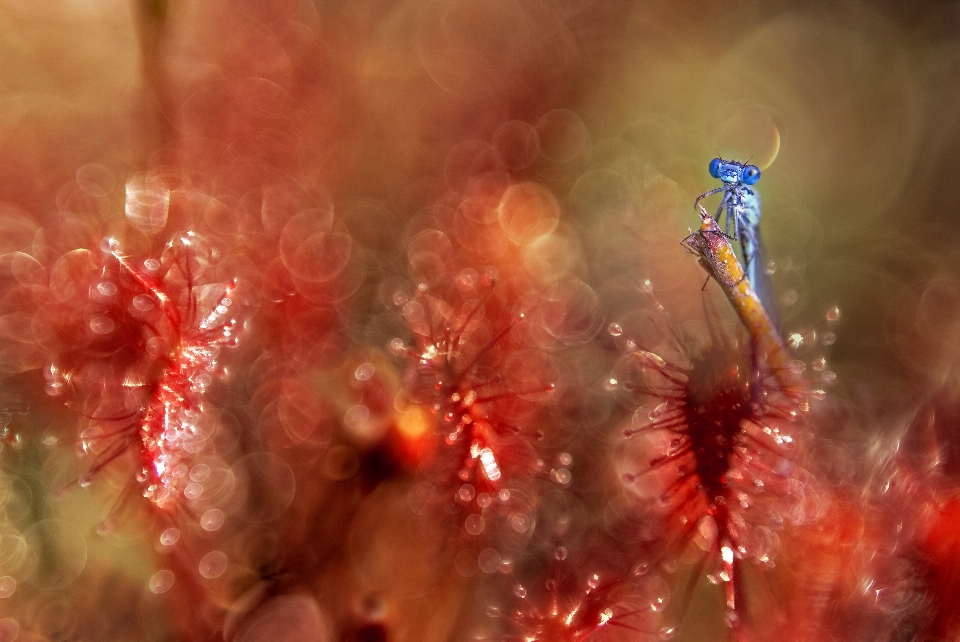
(153, 337)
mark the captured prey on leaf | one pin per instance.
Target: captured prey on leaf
(742, 206)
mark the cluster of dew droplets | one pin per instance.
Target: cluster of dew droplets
(811, 341)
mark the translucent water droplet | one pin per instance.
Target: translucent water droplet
(109, 245)
(519, 591)
(151, 265)
(611, 384)
(170, 536)
(213, 564)
(594, 581)
(560, 553)
(474, 524)
(106, 288)
(466, 492)
(85, 480)
(828, 339)
(161, 582)
(615, 329)
(102, 325)
(8, 586)
(667, 633)
(504, 495)
(200, 473)
(212, 520)
(834, 314)
(519, 522)
(829, 376)
(565, 459)
(364, 371)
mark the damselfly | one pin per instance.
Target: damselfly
(742, 206)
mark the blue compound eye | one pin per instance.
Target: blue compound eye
(751, 174)
(715, 167)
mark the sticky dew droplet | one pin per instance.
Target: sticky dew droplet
(474, 524)
(8, 586)
(213, 564)
(102, 325)
(364, 372)
(519, 522)
(170, 536)
(212, 519)
(161, 582)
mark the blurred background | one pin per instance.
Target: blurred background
(333, 153)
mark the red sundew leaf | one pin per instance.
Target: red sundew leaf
(476, 412)
(156, 338)
(711, 465)
(602, 606)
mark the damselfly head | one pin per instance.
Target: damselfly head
(734, 172)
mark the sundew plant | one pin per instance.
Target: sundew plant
(500, 320)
